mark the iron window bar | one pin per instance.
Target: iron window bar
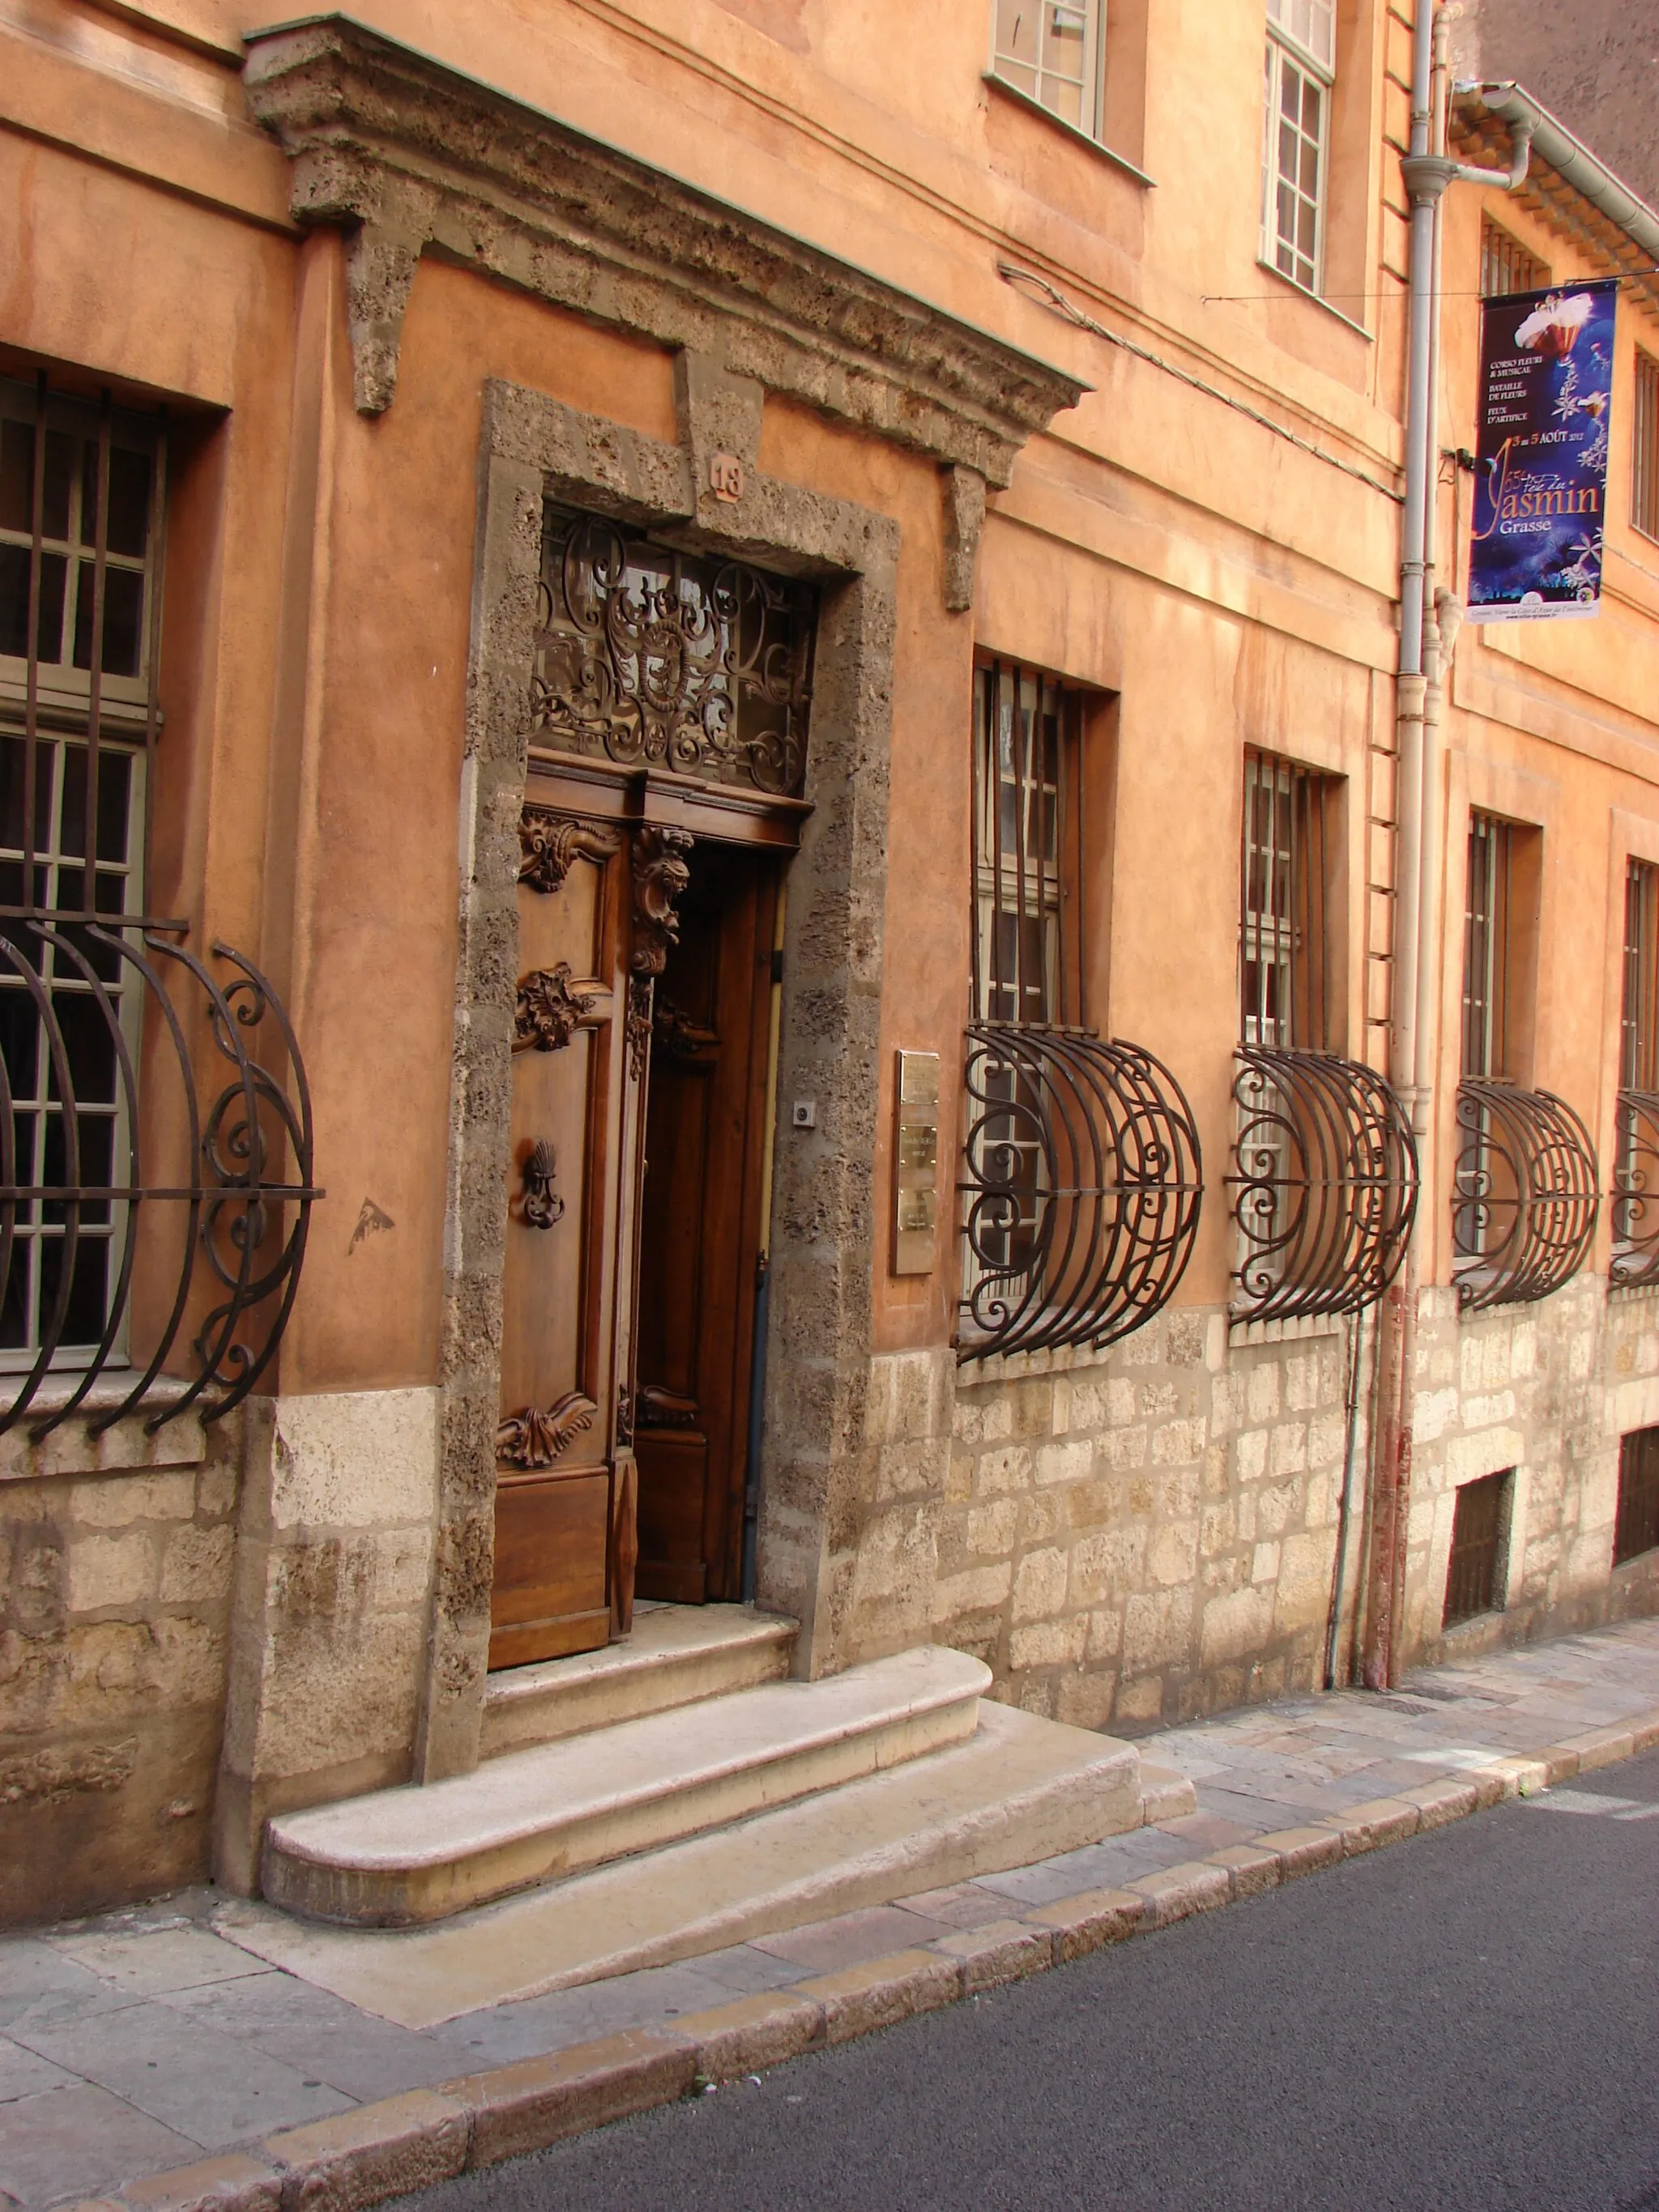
(1524, 1194)
(1325, 1184)
(119, 1231)
(1635, 1261)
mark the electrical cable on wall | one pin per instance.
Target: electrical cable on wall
(1054, 298)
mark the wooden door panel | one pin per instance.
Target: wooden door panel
(700, 1229)
(563, 1561)
(673, 1484)
(552, 1536)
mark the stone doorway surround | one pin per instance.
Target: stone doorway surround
(407, 156)
(535, 449)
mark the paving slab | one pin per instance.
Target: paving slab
(316, 2033)
(79, 2142)
(209, 2087)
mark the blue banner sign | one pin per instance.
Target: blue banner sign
(1542, 457)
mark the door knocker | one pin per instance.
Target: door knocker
(540, 1204)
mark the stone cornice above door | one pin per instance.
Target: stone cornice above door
(413, 154)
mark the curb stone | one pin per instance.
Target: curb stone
(362, 2157)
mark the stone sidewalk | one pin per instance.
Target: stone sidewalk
(146, 2041)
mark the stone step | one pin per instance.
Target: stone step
(678, 1655)
(1020, 1789)
(396, 1857)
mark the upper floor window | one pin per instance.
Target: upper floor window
(1051, 51)
(1638, 1024)
(1283, 874)
(1296, 99)
(1488, 914)
(1506, 265)
(1028, 829)
(1644, 447)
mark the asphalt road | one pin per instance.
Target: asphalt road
(1470, 2020)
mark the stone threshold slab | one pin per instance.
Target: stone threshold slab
(1020, 1789)
(676, 1656)
(403, 1857)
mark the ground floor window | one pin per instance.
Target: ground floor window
(1636, 1527)
(81, 487)
(1478, 1529)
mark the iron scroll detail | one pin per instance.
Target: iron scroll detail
(1524, 1197)
(102, 1224)
(1324, 1184)
(650, 656)
(1635, 1261)
(1080, 1189)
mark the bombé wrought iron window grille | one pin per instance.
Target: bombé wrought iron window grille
(154, 1253)
(1324, 1177)
(1635, 1259)
(652, 656)
(1081, 1177)
(1324, 1184)
(1524, 1183)
(1523, 1194)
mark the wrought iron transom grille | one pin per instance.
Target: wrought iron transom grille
(655, 657)
(1324, 1185)
(125, 1236)
(1081, 1179)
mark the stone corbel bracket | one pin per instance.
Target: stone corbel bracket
(413, 156)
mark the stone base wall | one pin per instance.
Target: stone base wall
(1136, 1536)
(1547, 1390)
(115, 1578)
(331, 1621)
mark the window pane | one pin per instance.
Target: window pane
(1017, 23)
(15, 603)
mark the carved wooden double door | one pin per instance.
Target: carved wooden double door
(646, 973)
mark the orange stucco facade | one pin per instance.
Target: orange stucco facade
(1205, 545)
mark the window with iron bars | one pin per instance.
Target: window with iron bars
(1636, 1524)
(1479, 1519)
(1638, 1016)
(1283, 870)
(1487, 911)
(1635, 1258)
(1080, 1176)
(1506, 265)
(1297, 84)
(1051, 51)
(82, 492)
(1644, 447)
(1028, 906)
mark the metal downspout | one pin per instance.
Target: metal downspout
(1392, 1445)
(1427, 171)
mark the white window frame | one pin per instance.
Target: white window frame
(1033, 81)
(1301, 41)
